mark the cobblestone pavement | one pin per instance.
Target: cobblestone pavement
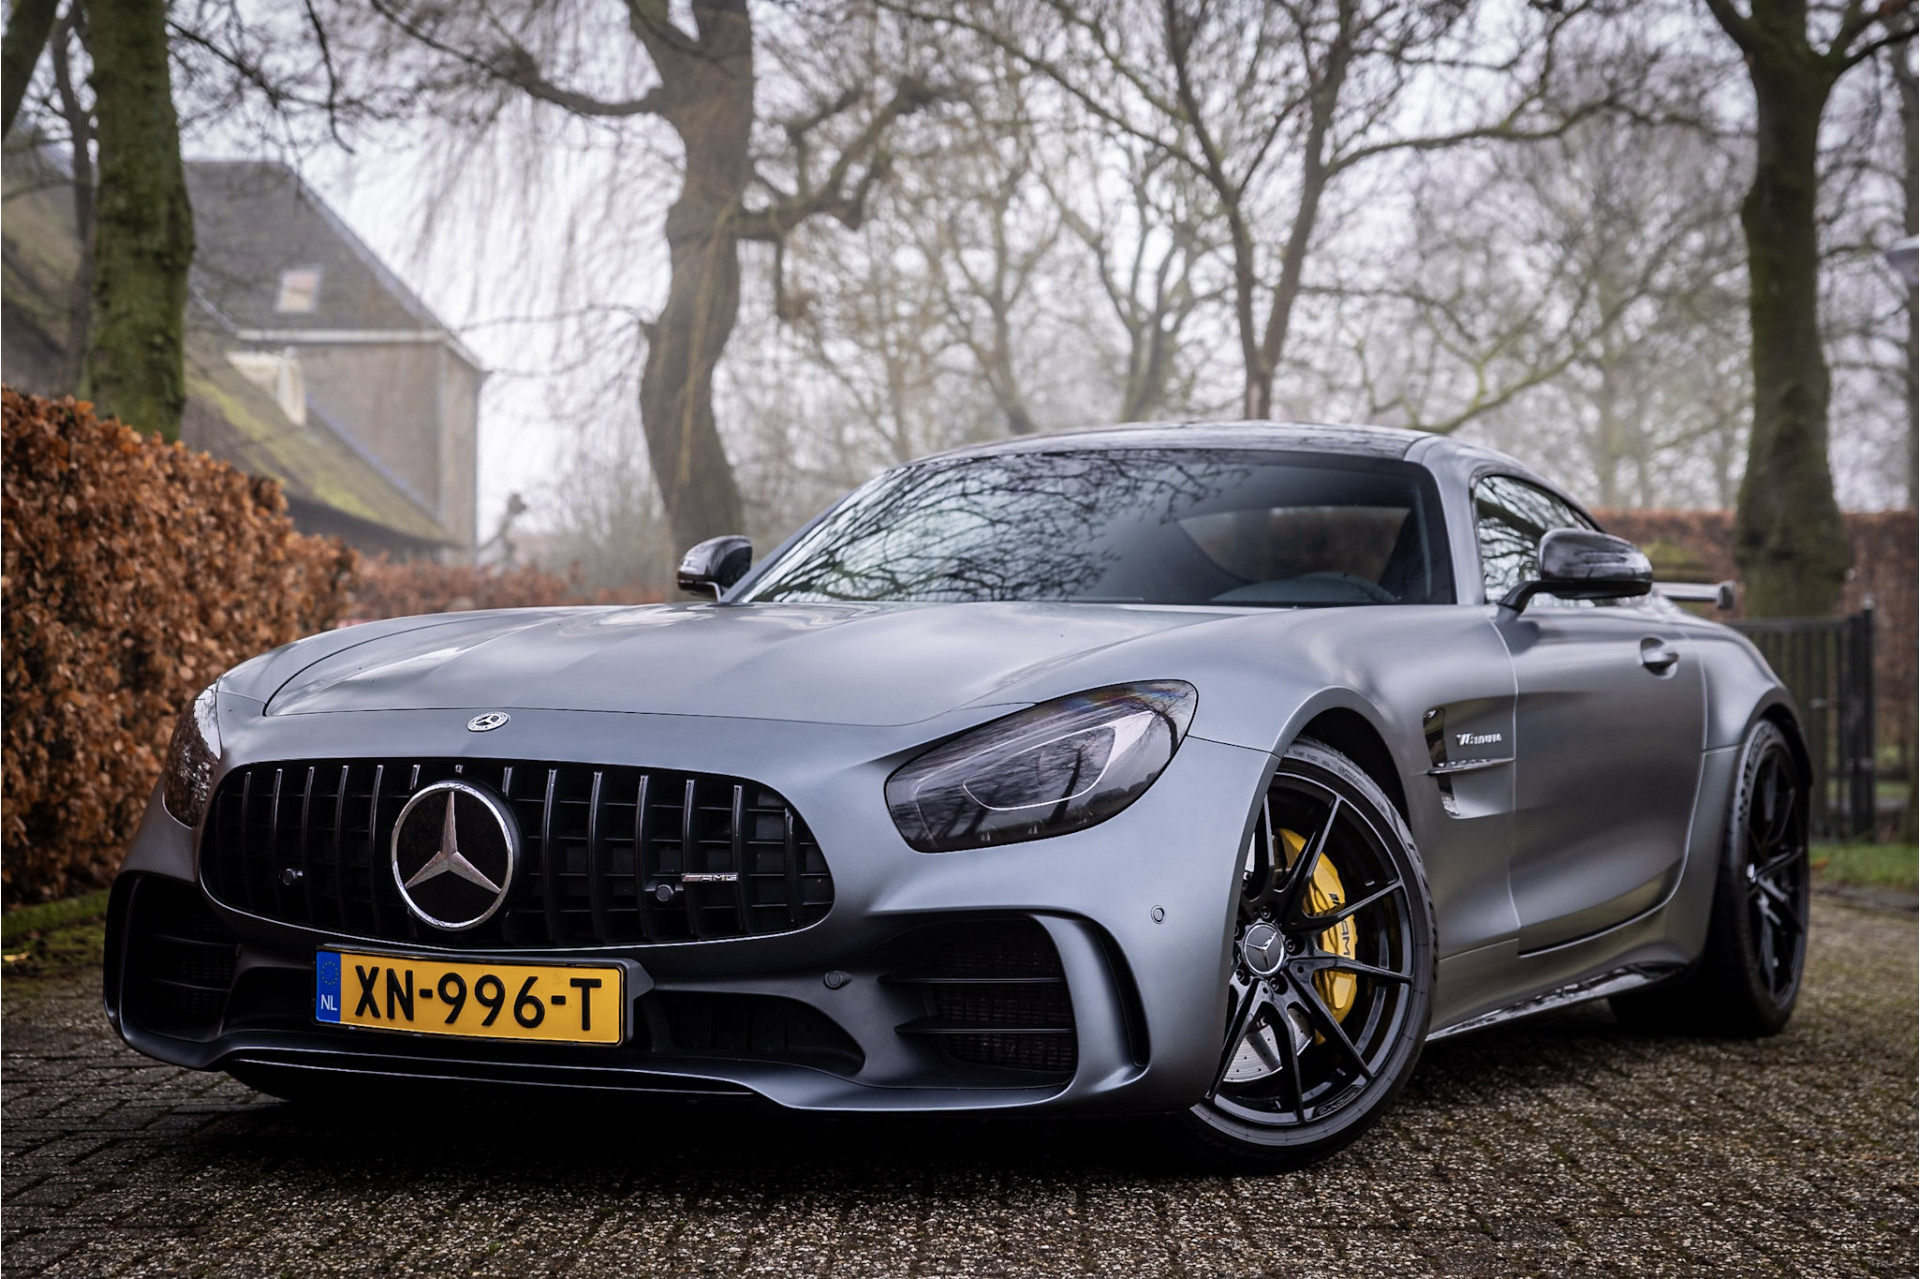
(1564, 1146)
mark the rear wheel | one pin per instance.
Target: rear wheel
(1749, 974)
(1332, 978)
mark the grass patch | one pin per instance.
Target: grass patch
(16, 924)
(1871, 865)
(55, 939)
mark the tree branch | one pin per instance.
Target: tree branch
(1738, 27)
(515, 66)
(333, 76)
(833, 197)
(1872, 47)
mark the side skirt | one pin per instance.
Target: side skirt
(1612, 983)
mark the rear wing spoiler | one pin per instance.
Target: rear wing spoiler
(1718, 594)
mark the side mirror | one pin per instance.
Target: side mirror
(714, 565)
(1580, 564)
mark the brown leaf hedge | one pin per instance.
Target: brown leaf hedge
(134, 573)
(401, 588)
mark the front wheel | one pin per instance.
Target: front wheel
(1332, 976)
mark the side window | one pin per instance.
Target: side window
(1510, 517)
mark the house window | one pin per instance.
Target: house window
(278, 374)
(299, 290)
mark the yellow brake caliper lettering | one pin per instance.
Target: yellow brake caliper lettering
(1326, 893)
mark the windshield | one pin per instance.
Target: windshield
(1147, 526)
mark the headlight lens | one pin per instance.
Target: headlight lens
(187, 781)
(1053, 768)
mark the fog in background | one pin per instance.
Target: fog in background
(1524, 229)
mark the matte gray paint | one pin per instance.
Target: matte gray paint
(823, 702)
(1594, 726)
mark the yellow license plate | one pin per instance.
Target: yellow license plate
(563, 1003)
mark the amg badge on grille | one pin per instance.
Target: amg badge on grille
(455, 849)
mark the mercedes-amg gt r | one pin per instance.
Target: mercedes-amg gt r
(1205, 770)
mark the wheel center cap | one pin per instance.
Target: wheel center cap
(1263, 950)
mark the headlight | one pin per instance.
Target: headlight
(1053, 768)
(187, 780)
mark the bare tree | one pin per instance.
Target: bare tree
(703, 87)
(1582, 297)
(1272, 105)
(1148, 226)
(1789, 540)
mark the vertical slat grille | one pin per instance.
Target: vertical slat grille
(608, 856)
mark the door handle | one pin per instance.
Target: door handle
(1658, 656)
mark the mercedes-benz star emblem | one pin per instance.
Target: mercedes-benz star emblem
(488, 722)
(455, 849)
(1263, 949)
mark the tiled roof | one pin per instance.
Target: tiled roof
(254, 221)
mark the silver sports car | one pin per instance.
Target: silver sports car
(1205, 771)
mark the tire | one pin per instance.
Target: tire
(1332, 979)
(1748, 978)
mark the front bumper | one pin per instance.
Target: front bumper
(1136, 910)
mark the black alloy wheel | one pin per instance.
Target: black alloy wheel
(1332, 977)
(1748, 978)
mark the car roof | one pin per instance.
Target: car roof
(1291, 437)
(1460, 459)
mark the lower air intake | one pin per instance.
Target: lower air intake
(180, 961)
(996, 996)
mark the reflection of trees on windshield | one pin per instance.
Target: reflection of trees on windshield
(1023, 527)
(1169, 526)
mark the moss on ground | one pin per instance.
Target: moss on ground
(44, 943)
(1867, 865)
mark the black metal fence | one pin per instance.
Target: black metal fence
(1827, 663)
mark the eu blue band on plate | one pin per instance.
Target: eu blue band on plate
(326, 986)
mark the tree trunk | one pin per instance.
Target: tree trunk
(1323, 103)
(79, 118)
(1789, 540)
(27, 26)
(676, 387)
(711, 108)
(143, 229)
(1149, 364)
(1909, 86)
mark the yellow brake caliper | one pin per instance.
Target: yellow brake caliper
(1324, 894)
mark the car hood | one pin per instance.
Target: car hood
(846, 664)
